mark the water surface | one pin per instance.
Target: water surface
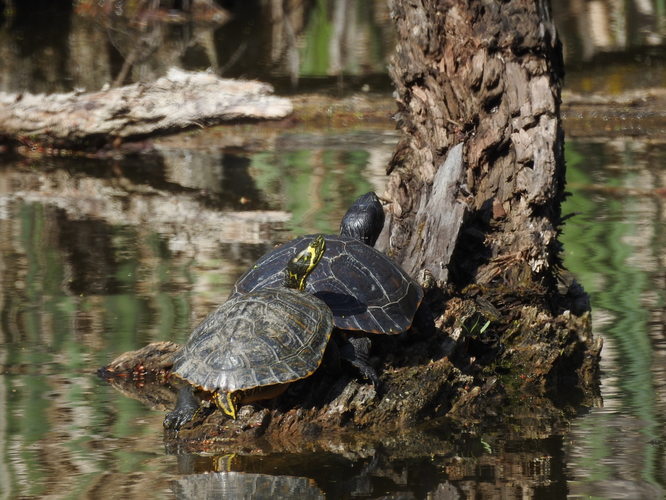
(86, 275)
(98, 257)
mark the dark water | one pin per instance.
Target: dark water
(100, 257)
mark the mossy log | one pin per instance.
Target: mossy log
(526, 366)
(90, 120)
(476, 186)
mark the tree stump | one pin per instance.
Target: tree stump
(487, 77)
(475, 189)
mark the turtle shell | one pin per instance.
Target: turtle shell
(365, 289)
(270, 336)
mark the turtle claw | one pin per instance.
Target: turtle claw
(175, 419)
(187, 406)
(367, 371)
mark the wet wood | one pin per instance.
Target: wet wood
(175, 102)
(142, 374)
(462, 375)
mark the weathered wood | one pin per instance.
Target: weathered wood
(422, 377)
(438, 220)
(177, 101)
(489, 75)
(141, 374)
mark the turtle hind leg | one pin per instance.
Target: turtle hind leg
(356, 351)
(187, 407)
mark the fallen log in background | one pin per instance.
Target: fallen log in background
(175, 102)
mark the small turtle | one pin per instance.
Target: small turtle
(255, 344)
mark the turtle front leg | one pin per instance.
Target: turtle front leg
(187, 406)
(356, 351)
(227, 402)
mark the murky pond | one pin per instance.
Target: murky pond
(92, 265)
(98, 257)
(616, 246)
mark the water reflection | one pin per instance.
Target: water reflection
(616, 248)
(602, 26)
(97, 43)
(96, 259)
(99, 257)
(243, 485)
(463, 468)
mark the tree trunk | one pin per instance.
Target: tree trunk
(477, 182)
(486, 76)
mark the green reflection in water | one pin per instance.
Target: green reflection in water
(53, 340)
(317, 38)
(316, 186)
(598, 249)
(323, 39)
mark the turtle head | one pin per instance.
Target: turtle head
(303, 263)
(364, 220)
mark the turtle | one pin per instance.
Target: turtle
(255, 344)
(365, 289)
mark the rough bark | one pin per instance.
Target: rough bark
(175, 102)
(486, 75)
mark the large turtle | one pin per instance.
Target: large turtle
(364, 288)
(255, 344)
